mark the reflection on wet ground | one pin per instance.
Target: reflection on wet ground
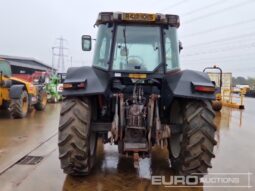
(234, 154)
(117, 173)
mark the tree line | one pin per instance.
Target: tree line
(243, 81)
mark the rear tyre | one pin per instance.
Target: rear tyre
(216, 105)
(19, 107)
(77, 142)
(41, 102)
(196, 141)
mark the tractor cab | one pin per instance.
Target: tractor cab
(5, 68)
(135, 43)
(5, 83)
(40, 77)
(61, 77)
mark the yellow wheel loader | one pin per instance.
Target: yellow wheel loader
(17, 95)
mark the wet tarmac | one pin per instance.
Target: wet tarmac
(37, 136)
(20, 136)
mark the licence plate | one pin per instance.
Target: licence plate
(139, 17)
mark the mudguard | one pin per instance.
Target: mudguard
(97, 81)
(178, 84)
(16, 91)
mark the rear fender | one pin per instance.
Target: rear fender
(16, 91)
(96, 81)
(179, 84)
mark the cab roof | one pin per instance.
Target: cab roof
(142, 18)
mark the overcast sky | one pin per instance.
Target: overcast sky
(220, 32)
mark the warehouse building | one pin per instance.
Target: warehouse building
(22, 65)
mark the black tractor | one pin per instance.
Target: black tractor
(135, 96)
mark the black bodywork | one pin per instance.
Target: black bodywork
(97, 81)
(180, 85)
(176, 84)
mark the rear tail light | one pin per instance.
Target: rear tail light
(204, 89)
(81, 85)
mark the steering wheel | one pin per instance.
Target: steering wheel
(135, 60)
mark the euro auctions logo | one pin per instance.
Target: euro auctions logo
(172, 181)
(212, 180)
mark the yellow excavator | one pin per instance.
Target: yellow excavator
(20, 96)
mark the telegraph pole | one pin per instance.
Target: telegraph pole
(53, 56)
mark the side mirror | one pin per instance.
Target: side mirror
(180, 46)
(86, 43)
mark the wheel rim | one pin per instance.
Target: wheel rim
(24, 105)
